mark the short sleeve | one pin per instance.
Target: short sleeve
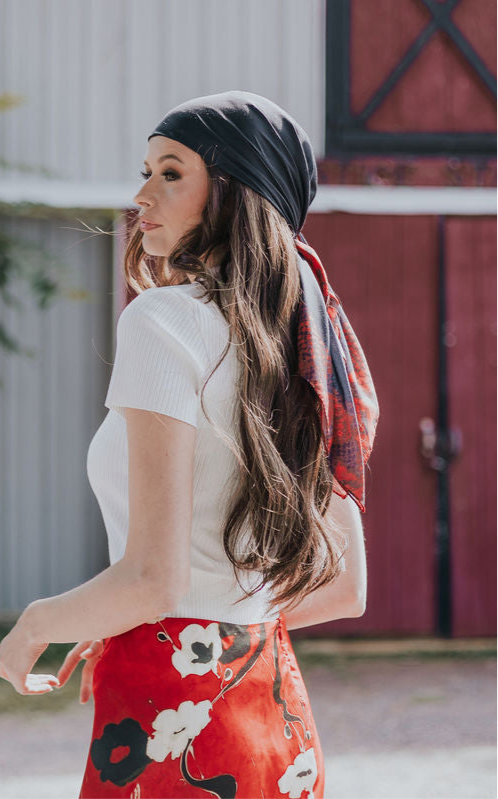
(158, 362)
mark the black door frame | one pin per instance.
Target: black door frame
(346, 132)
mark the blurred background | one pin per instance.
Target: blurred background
(399, 99)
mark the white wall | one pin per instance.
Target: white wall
(51, 531)
(97, 75)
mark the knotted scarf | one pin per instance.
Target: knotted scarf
(330, 357)
(261, 145)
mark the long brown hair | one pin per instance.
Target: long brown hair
(284, 485)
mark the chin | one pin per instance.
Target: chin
(154, 246)
(158, 252)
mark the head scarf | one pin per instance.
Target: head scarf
(255, 141)
(262, 146)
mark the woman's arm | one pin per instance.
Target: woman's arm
(112, 602)
(154, 573)
(346, 596)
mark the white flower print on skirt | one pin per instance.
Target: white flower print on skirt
(200, 650)
(199, 708)
(300, 775)
(173, 728)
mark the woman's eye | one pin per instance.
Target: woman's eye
(168, 173)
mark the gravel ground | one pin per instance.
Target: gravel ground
(404, 728)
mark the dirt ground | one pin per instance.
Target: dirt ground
(405, 727)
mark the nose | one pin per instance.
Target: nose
(141, 198)
(142, 202)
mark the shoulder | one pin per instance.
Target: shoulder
(169, 310)
(160, 304)
(162, 318)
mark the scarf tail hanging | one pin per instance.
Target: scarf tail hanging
(331, 359)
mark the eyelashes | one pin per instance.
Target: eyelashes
(168, 173)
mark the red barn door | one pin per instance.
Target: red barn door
(388, 290)
(384, 269)
(471, 293)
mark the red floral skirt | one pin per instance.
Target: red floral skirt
(198, 708)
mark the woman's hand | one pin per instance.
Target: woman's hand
(18, 655)
(91, 651)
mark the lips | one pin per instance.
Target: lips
(148, 225)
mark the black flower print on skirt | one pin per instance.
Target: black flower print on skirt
(199, 708)
(127, 734)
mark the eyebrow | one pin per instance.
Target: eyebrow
(163, 158)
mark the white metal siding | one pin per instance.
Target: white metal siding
(51, 532)
(97, 76)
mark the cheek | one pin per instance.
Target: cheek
(200, 198)
(194, 204)
(184, 208)
(201, 194)
(201, 204)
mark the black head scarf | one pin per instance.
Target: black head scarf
(255, 141)
(260, 144)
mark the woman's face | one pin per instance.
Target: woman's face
(173, 196)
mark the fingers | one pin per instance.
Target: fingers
(87, 650)
(91, 651)
(34, 684)
(87, 681)
(39, 683)
(71, 661)
(95, 648)
(91, 655)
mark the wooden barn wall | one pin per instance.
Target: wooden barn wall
(384, 269)
(51, 531)
(471, 293)
(387, 287)
(440, 91)
(97, 76)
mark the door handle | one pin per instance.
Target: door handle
(437, 448)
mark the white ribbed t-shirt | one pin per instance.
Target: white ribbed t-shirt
(168, 340)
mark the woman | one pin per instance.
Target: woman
(229, 472)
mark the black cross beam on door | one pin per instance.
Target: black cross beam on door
(347, 132)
